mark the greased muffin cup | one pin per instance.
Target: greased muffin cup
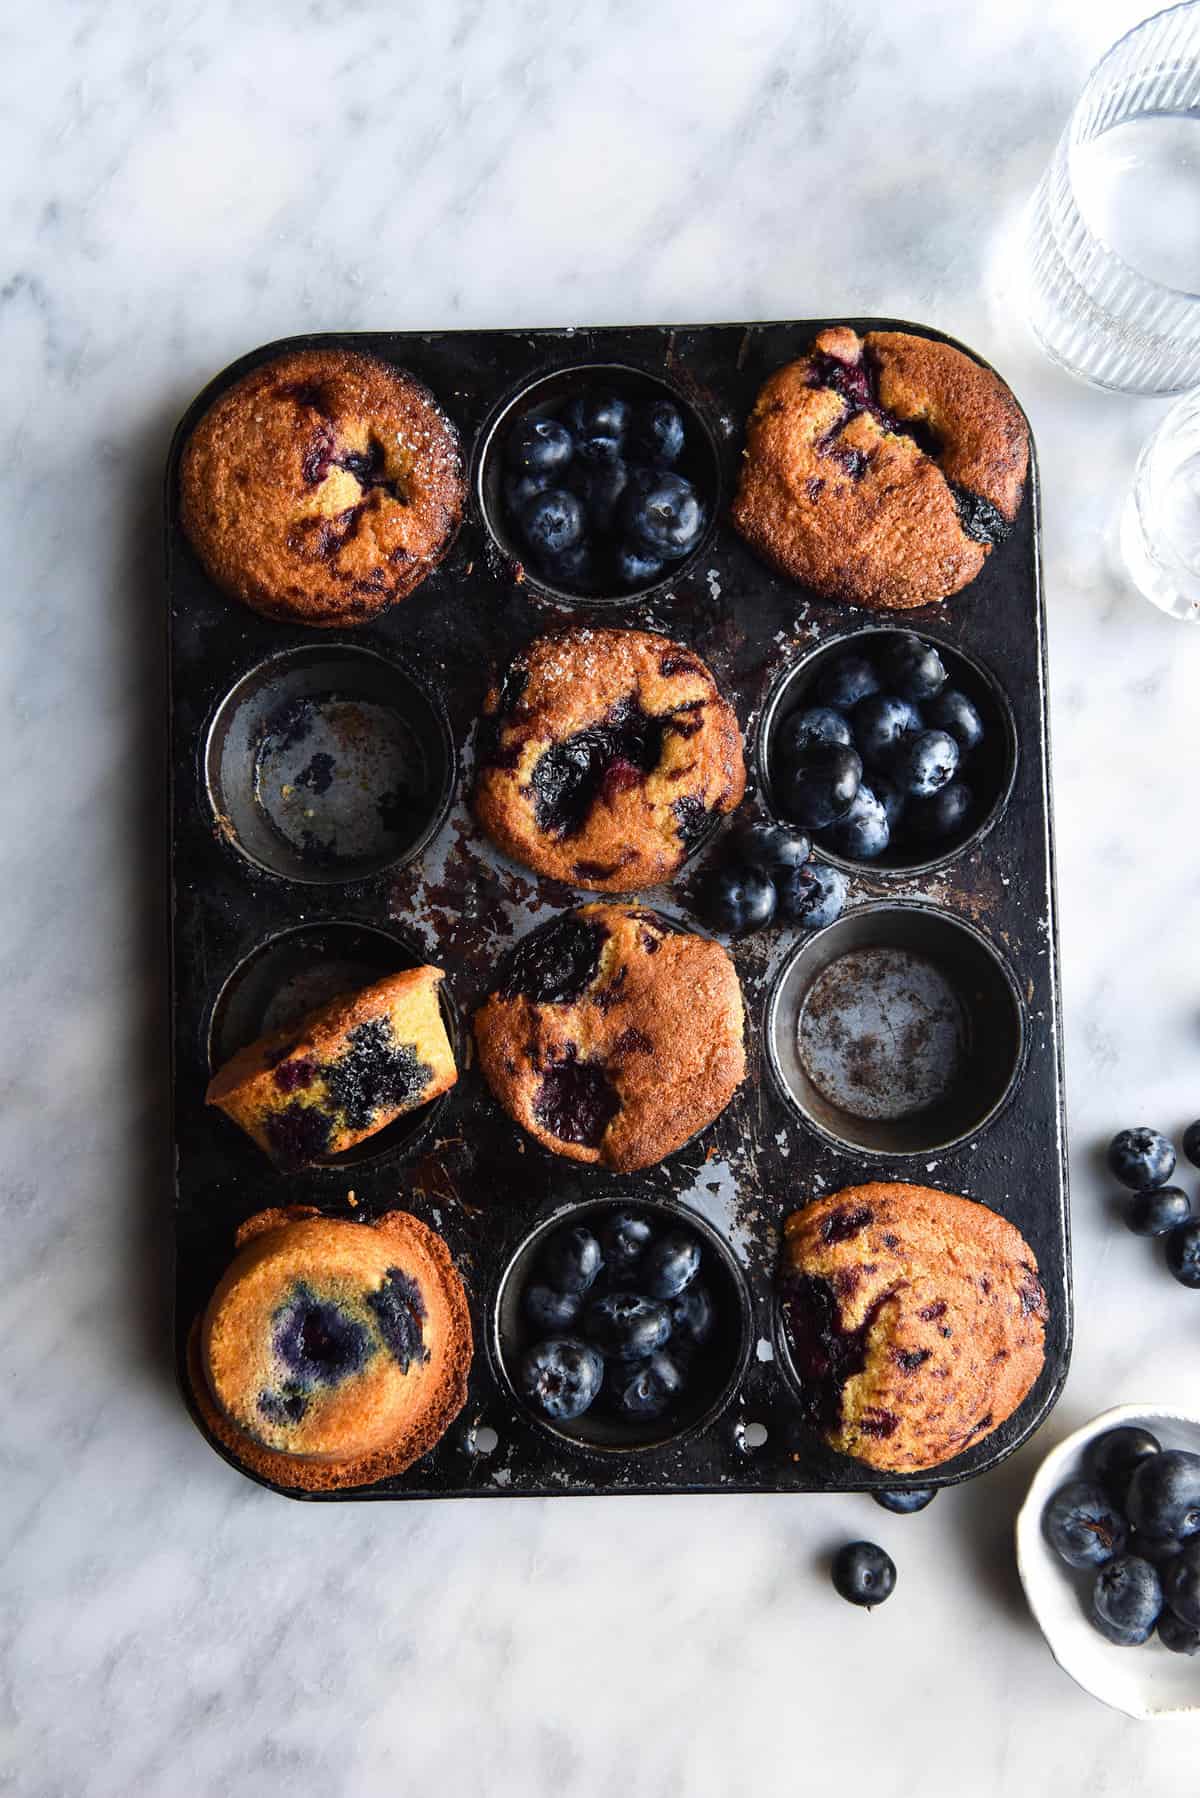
(268, 923)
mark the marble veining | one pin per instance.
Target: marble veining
(180, 182)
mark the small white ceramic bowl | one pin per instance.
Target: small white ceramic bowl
(1145, 1682)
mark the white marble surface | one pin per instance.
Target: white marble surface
(181, 181)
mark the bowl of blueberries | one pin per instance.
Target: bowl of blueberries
(1108, 1549)
(893, 750)
(623, 1326)
(601, 481)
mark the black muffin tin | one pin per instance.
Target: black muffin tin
(249, 941)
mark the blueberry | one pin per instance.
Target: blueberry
(1111, 1459)
(1176, 1635)
(600, 486)
(552, 522)
(880, 722)
(624, 1239)
(1181, 1584)
(817, 724)
(911, 668)
(738, 900)
(548, 1309)
(643, 1389)
(1154, 1212)
(1141, 1158)
(658, 432)
(945, 814)
(597, 415)
(1164, 1495)
(1191, 1143)
(925, 762)
(1160, 1551)
(822, 786)
(539, 446)
(519, 489)
(1082, 1525)
(627, 1325)
(663, 516)
(905, 1500)
(845, 681)
(561, 1376)
(671, 1263)
(574, 567)
(598, 451)
(1126, 1600)
(1183, 1252)
(571, 1259)
(692, 1316)
(773, 848)
(953, 711)
(812, 896)
(891, 799)
(863, 1573)
(636, 568)
(863, 834)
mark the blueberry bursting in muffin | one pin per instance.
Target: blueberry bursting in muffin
(916, 1321)
(881, 470)
(322, 487)
(603, 755)
(612, 1038)
(332, 1353)
(342, 1072)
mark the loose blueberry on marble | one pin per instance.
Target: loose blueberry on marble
(1112, 1459)
(945, 814)
(924, 763)
(880, 722)
(627, 1325)
(670, 1264)
(572, 1259)
(863, 834)
(953, 711)
(1175, 1634)
(624, 1239)
(1157, 1210)
(863, 1573)
(812, 896)
(905, 1500)
(1141, 1158)
(1164, 1495)
(552, 522)
(816, 724)
(562, 1376)
(822, 786)
(642, 1390)
(1126, 1600)
(658, 433)
(1183, 1253)
(1191, 1143)
(664, 516)
(1083, 1526)
(549, 1309)
(738, 899)
(773, 848)
(1181, 1584)
(845, 682)
(692, 1316)
(911, 667)
(539, 446)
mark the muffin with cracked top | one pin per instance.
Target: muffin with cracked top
(916, 1321)
(881, 470)
(613, 1038)
(332, 1353)
(603, 755)
(322, 487)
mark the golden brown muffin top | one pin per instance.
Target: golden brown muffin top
(603, 755)
(612, 1038)
(322, 486)
(333, 1353)
(881, 470)
(916, 1321)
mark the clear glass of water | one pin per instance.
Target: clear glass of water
(1112, 236)
(1160, 526)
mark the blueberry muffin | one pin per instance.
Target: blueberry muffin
(332, 1353)
(916, 1321)
(881, 470)
(342, 1072)
(322, 487)
(603, 754)
(613, 1038)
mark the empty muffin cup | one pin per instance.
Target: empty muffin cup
(301, 969)
(988, 770)
(547, 397)
(329, 764)
(897, 1030)
(713, 1371)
